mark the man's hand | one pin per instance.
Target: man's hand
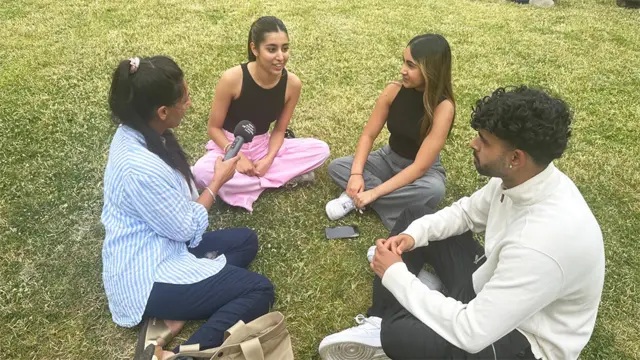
(400, 243)
(383, 258)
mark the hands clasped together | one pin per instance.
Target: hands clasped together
(389, 251)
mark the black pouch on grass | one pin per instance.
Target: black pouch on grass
(288, 134)
(630, 4)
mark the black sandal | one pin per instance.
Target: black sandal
(152, 329)
(149, 353)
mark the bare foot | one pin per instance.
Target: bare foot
(157, 353)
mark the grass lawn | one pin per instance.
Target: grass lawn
(56, 58)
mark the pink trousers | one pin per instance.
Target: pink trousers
(295, 157)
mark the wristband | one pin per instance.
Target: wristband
(354, 174)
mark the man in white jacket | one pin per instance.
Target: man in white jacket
(531, 293)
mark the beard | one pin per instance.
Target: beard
(494, 168)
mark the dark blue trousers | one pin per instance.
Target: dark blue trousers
(233, 294)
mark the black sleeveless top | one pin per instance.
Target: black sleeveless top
(404, 122)
(259, 105)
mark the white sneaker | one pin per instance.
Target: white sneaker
(542, 3)
(339, 207)
(430, 279)
(361, 342)
(370, 253)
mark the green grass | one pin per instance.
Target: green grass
(55, 62)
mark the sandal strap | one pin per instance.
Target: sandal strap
(157, 329)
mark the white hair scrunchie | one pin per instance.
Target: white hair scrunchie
(134, 64)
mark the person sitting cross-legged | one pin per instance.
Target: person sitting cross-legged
(533, 290)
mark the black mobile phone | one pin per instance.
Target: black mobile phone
(341, 232)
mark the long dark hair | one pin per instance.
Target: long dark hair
(433, 56)
(259, 28)
(136, 95)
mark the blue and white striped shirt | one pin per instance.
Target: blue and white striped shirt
(149, 216)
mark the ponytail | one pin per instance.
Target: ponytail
(250, 55)
(136, 94)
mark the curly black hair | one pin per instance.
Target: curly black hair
(528, 119)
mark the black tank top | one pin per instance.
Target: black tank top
(404, 122)
(259, 105)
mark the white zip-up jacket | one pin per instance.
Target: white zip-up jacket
(543, 275)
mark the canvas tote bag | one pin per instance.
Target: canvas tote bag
(265, 338)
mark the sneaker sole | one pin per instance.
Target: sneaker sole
(331, 216)
(352, 351)
(304, 179)
(291, 185)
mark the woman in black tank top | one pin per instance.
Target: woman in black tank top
(263, 92)
(419, 113)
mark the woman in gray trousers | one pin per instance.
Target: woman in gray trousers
(419, 113)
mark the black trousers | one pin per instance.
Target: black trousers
(454, 261)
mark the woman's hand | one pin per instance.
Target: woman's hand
(262, 166)
(245, 166)
(365, 198)
(223, 171)
(355, 185)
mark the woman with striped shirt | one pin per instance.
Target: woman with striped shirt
(159, 265)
